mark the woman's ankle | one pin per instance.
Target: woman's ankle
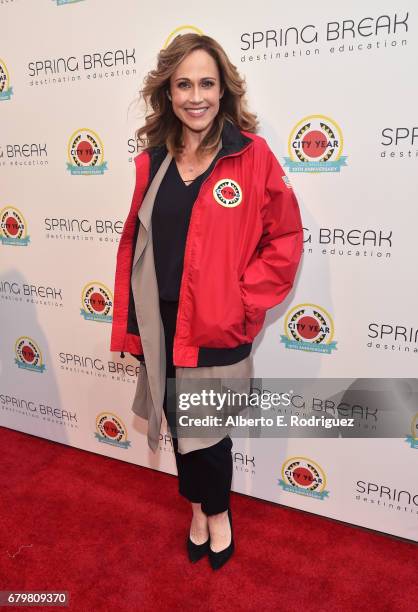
(218, 518)
(197, 510)
(199, 529)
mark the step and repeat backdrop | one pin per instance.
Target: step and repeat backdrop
(335, 91)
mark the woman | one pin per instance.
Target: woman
(213, 240)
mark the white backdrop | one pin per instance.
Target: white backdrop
(68, 73)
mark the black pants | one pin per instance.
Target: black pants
(205, 475)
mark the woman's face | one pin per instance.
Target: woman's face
(195, 91)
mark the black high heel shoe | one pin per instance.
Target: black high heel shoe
(218, 559)
(197, 551)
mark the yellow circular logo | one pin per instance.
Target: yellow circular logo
(227, 193)
(97, 302)
(183, 29)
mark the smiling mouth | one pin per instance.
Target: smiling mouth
(196, 112)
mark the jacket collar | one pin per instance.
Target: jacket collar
(233, 141)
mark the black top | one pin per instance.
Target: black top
(170, 223)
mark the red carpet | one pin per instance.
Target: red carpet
(113, 535)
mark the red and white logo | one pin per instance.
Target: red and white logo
(227, 193)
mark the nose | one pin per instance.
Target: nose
(195, 94)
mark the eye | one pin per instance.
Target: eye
(207, 83)
(183, 84)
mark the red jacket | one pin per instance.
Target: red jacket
(243, 249)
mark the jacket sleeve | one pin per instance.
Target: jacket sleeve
(271, 271)
(121, 338)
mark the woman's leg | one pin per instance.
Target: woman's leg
(205, 478)
(213, 470)
(206, 475)
(189, 488)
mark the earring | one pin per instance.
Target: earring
(168, 94)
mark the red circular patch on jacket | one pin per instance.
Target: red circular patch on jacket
(227, 193)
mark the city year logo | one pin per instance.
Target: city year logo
(413, 438)
(110, 429)
(315, 145)
(97, 302)
(309, 327)
(183, 29)
(303, 476)
(28, 355)
(85, 153)
(6, 91)
(227, 193)
(13, 227)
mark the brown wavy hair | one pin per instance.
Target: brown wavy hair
(162, 126)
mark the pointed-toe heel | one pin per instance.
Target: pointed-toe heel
(197, 551)
(218, 559)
